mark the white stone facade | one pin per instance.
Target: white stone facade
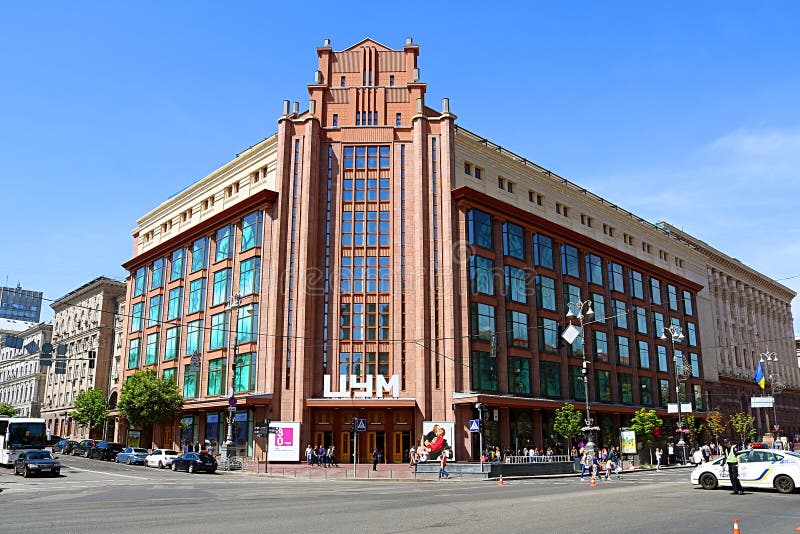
(21, 377)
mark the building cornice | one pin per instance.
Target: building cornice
(98, 285)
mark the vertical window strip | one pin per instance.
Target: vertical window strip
(403, 264)
(293, 231)
(326, 297)
(434, 179)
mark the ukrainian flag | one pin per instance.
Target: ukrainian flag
(759, 378)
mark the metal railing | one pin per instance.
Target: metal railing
(537, 459)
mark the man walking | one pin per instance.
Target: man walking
(732, 459)
(375, 457)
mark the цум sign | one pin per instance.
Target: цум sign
(353, 386)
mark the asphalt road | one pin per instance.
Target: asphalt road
(94, 496)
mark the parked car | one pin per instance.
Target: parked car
(160, 458)
(758, 468)
(36, 462)
(194, 461)
(132, 455)
(52, 441)
(105, 450)
(82, 447)
(64, 446)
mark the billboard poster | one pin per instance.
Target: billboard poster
(284, 444)
(436, 439)
(628, 440)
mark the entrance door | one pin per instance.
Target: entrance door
(345, 453)
(376, 440)
(401, 443)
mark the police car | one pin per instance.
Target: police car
(758, 468)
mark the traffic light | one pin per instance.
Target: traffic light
(353, 425)
(92, 358)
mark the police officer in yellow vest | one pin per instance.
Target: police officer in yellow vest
(732, 459)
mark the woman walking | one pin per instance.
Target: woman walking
(442, 464)
(658, 459)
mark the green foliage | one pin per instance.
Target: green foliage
(716, 425)
(146, 399)
(742, 424)
(90, 408)
(643, 423)
(7, 409)
(694, 426)
(567, 423)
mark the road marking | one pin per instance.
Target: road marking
(107, 473)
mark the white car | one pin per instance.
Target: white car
(758, 468)
(160, 458)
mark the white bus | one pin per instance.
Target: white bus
(18, 434)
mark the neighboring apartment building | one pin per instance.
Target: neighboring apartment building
(372, 260)
(751, 322)
(20, 304)
(115, 374)
(21, 379)
(84, 323)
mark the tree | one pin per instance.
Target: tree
(7, 409)
(91, 409)
(742, 424)
(693, 427)
(567, 424)
(644, 422)
(146, 399)
(716, 425)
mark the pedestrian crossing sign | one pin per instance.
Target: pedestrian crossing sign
(474, 425)
(361, 425)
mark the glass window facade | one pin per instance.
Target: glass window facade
(516, 290)
(594, 269)
(247, 324)
(577, 387)
(484, 371)
(663, 393)
(197, 295)
(219, 331)
(645, 391)
(194, 337)
(655, 291)
(623, 350)
(483, 323)
(157, 275)
(637, 284)
(173, 343)
(200, 254)
(479, 226)
(545, 293)
(481, 275)
(548, 335)
(154, 311)
(691, 334)
(641, 319)
(216, 377)
(519, 376)
(543, 251)
(151, 350)
(569, 261)
(672, 297)
(175, 304)
(661, 352)
(133, 353)
(616, 282)
(222, 287)
(251, 231)
(688, 305)
(550, 379)
(620, 311)
(599, 307)
(139, 281)
(517, 326)
(178, 265)
(644, 354)
(244, 375)
(249, 276)
(513, 241)
(191, 382)
(602, 386)
(137, 312)
(625, 388)
(224, 240)
(600, 340)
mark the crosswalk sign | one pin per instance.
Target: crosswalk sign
(474, 425)
(361, 425)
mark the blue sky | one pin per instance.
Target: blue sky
(685, 111)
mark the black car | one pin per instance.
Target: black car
(64, 446)
(53, 440)
(36, 463)
(82, 448)
(194, 461)
(104, 450)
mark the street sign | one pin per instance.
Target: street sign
(361, 425)
(686, 407)
(474, 425)
(232, 401)
(272, 430)
(232, 409)
(762, 402)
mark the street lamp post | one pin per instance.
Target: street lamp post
(768, 358)
(228, 449)
(584, 315)
(675, 335)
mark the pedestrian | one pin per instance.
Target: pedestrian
(323, 456)
(375, 457)
(732, 459)
(584, 464)
(658, 459)
(309, 455)
(609, 468)
(442, 464)
(332, 456)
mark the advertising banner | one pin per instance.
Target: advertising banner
(436, 439)
(628, 440)
(284, 444)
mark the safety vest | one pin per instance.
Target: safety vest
(731, 455)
